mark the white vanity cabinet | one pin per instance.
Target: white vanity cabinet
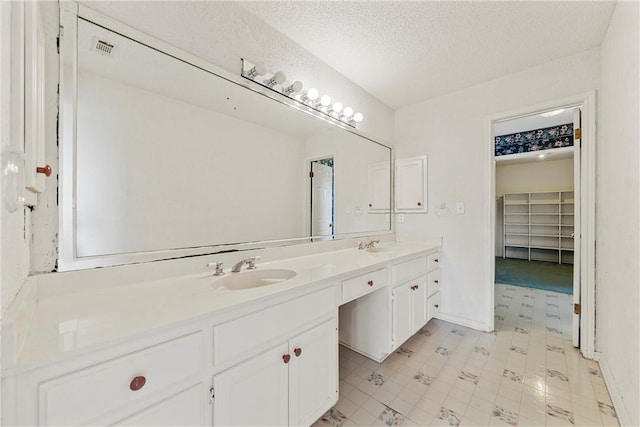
(135, 389)
(294, 381)
(409, 308)
(433, 285)
(409, 298)
(411, 185)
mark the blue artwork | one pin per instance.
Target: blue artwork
(535, 140)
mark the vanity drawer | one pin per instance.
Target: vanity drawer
(408, 270)
(364, 284)
(433, 282)
(240, 338)
(433, 305)
(84, 396)
(433, 261)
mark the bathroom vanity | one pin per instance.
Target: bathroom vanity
(154, 337)
(184, 351)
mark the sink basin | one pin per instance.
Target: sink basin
(252, 279)
(377, 250)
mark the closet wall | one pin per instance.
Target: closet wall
(535, 176)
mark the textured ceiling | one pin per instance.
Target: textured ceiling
(404, 52)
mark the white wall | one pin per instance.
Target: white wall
(552, 175)
(451, 130)
(617, 185)
(216, 194)
(221, 33)
(16, 230)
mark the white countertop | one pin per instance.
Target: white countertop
(61, 324)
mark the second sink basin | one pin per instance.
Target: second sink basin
(252, 279)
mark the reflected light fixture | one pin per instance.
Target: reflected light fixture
(541, 156)
(310, 98)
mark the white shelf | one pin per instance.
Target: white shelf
(540, 234)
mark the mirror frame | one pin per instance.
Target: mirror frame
(68, 260)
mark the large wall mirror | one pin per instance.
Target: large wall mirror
(162, 158)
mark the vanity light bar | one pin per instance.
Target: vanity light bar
(277, 82)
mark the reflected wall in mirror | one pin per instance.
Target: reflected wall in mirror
(168, 156)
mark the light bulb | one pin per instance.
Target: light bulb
(337, 107)
(259, 69)
(294, 87)
(278, 78)
(325, 101)
(312, 94)
(357, 117)
(347, 112)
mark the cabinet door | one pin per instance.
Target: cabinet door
(402, 313)
(379, 186)
(313, 373)
(253, 393)
(411, 184)
(419, 303)
(181, 409)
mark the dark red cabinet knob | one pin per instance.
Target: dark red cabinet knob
(436, 260)
(297, 351)
(46, 170)
(286, 358)
(419, 203)
(370, 282)
(436, 306)
(435, 281)
(137, 383)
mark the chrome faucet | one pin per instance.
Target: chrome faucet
(251, 264)
(218, 266)
(368, 245)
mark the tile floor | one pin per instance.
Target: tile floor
(527, 373)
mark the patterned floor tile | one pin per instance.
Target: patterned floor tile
(525, 373)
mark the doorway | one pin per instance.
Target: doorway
(322, 198)
(582, 302)
(535, 216)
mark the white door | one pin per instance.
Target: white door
(255, 392)
(321, 200)
(402, 313)
(576, 227)
(379, 187)
(313, 378)
(419, 303)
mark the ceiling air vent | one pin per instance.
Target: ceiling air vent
(103, 47)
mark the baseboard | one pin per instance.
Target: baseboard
(616, 398)
(462, 321)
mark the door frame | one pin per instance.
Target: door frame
(587, 103)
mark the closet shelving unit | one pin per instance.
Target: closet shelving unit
(539, 226)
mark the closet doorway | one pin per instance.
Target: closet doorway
(537, 187)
